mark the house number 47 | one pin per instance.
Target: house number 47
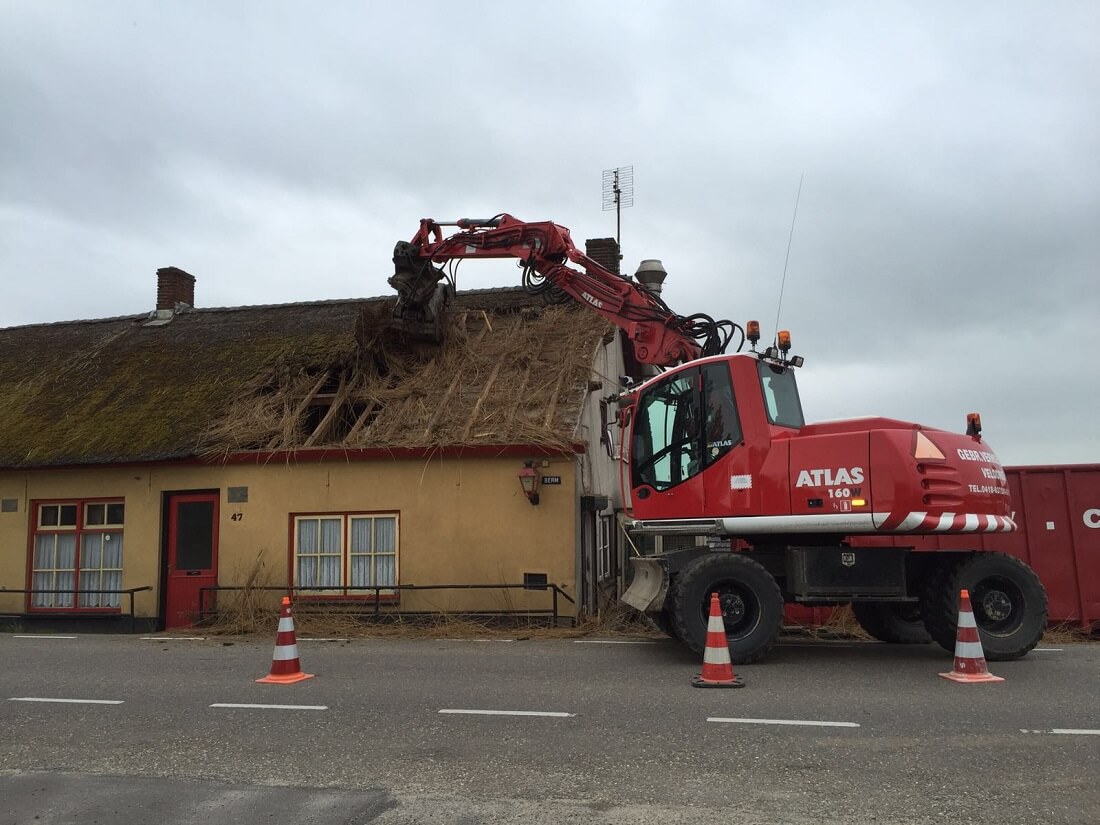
(236, 517)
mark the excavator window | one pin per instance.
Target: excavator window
(723, 427)
(780, 395)
(668, 432)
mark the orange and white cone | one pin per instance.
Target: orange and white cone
(717, 667)
(285, 667)
(969, 657)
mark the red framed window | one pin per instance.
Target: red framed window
(76, 554)
(336, 552)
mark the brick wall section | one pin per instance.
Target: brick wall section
(174, 286)
(604, 251)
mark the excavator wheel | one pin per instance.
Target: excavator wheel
(752, 604)
(1009, 602)
(897, 623)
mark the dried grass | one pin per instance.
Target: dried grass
(1069, 634)
(505, 378)
(841, 624)
(252, 609)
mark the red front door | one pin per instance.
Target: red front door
(192, 554)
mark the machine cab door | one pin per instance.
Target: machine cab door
(683, 424)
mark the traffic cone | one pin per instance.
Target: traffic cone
(285, 667)
(969, 656)
(717, 667)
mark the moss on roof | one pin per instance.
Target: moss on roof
(218, 381)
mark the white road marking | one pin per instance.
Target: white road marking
(1046, 650)
(612, 642)
(173, 638)
(508, 712)
(823, 642)
(475, 640)
(310, 639)
(67, 701)
(271, 707)
(1065, 731)
(809, 722)
(43, 636)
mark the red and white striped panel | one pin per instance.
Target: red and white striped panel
(947, 523)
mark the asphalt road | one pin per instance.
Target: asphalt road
(173, 732)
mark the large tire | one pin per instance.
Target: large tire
(1009, 602)
(752, 604)
(898, 623)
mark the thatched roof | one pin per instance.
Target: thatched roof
(214, 382)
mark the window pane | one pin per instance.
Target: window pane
(112, 551)
(94, 514)
(330, 571)
(307, 571)
(668, 432)
(44, 547)
(66, 551)
(195, 535)
(68, 515)
(723, 429)
(360, 572)
(90, 580)
(781, 395)
(111, 580)
(385, 535)
(360, 535)
(115, 513)
(308, 530)
(43, 581)
(64, 581)
(385, 571)
(48, 515)
(330, 535)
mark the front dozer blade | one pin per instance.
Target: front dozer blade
(650, 585)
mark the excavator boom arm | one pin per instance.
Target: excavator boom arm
(550, 260)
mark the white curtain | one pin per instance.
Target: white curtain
(54, 569)
(385, 552)
(319, 553)
(374, 551)
(101, 569)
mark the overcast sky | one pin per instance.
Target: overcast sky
(945, 256)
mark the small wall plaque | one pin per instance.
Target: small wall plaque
(237, 495)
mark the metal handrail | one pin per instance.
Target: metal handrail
(76, 611)
(380, 591)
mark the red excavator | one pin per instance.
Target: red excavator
(715, 448)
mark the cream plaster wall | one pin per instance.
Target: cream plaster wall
(462, 521)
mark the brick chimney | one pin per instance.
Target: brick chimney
(604, 251)
(174, 286)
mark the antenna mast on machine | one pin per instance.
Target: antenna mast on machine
(618, 193)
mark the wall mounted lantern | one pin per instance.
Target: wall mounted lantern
(529, 480)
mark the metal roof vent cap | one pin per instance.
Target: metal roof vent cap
(651, 274)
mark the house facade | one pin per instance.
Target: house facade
(151, 464)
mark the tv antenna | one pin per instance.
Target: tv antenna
(618, 193)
